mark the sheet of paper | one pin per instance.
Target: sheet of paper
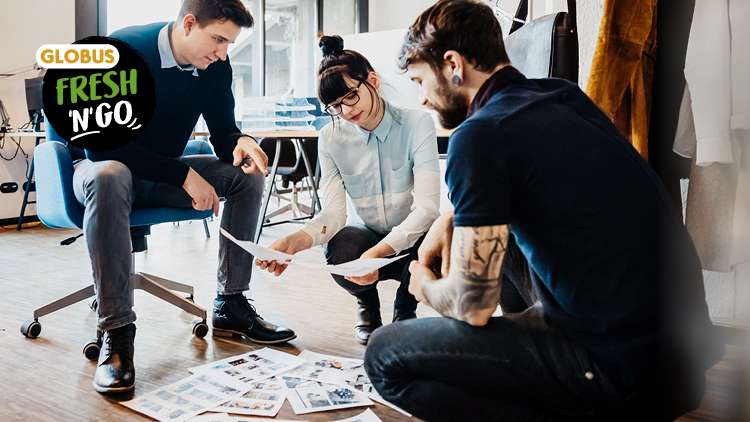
(210, 417)
(252, 367)
(187, 398)
(333, 369)
(311, 396)
(265, 398)
(341, 371)
(356, 268)
(366, 416)
(258, 251)
(376, 397)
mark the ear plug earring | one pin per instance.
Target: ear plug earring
(456, 80)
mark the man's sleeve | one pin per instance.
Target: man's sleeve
(479, 175)
(219, 115)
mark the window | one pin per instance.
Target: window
(287, 28)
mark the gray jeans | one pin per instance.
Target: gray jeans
(108, 191)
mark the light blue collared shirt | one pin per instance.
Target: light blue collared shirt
(390, 177)
(165, 52)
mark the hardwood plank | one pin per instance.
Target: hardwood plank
(48, 379)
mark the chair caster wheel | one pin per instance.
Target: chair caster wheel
(200, 328)
(31, 328)
(92, 348)
(93, 305)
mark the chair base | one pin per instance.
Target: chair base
(162, 288)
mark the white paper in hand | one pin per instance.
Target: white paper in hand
(356, 268)
(259, 252)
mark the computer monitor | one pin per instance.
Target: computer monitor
(34, 100)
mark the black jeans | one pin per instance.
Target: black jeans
(354, 240)
(516, 368)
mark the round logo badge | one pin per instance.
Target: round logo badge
(102, 108)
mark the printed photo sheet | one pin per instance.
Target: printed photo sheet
(252, 367)
(335, 370)
(264, 398)
(366, 416)
(223, 417)
(187, 398)
(307, 396)
(342, 371)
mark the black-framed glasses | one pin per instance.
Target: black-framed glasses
(350, 99)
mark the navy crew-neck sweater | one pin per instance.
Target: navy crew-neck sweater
(180, 99)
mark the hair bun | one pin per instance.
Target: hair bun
(331, 46)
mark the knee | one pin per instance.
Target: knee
(343, 247)
(380, 359)
(110, 178)
(252, 183)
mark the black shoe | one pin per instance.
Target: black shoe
(401, 315)
(238, 316)
(405, 305)
(115, 372)
(368, 317)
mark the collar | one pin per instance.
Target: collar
(165, 51)
(491, 86)
(381, 132)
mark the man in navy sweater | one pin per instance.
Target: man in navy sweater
(192, 77)
(559, 219)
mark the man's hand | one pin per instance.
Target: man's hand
(248, 148)
(437, 244)
(203, 194)
(291, 244)
(380, 250)
(419, 276)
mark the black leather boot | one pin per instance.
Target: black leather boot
(405, 305)
(368, 316)
(115, 372)
(238, 316)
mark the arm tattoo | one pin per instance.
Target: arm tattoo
(474, 281)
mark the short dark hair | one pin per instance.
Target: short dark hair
(466, 26)
(208, 11)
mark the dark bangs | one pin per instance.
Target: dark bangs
(332, 84)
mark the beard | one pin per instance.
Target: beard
(454, 110)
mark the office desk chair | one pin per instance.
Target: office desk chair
(294, 160)
(57, 207)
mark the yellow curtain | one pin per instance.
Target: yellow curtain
(622, 71)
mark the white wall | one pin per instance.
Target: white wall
(26, 25)
(399, 14)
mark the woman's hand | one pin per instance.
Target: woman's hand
(295, 242)
(381, 250)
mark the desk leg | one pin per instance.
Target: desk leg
(28, 189)
(310, 174)
(267, 192)
(26, 195)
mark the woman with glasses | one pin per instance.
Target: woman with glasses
(384, 159)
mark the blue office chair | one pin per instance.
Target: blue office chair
(57, 207)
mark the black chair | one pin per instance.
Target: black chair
(295, 160)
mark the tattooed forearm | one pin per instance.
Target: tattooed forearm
(472, 290)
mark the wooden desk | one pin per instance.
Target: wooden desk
(441, 133)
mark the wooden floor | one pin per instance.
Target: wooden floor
(48, 379)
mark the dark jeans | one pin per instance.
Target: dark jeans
(108, 191)
(354, 240)
(516, 368)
